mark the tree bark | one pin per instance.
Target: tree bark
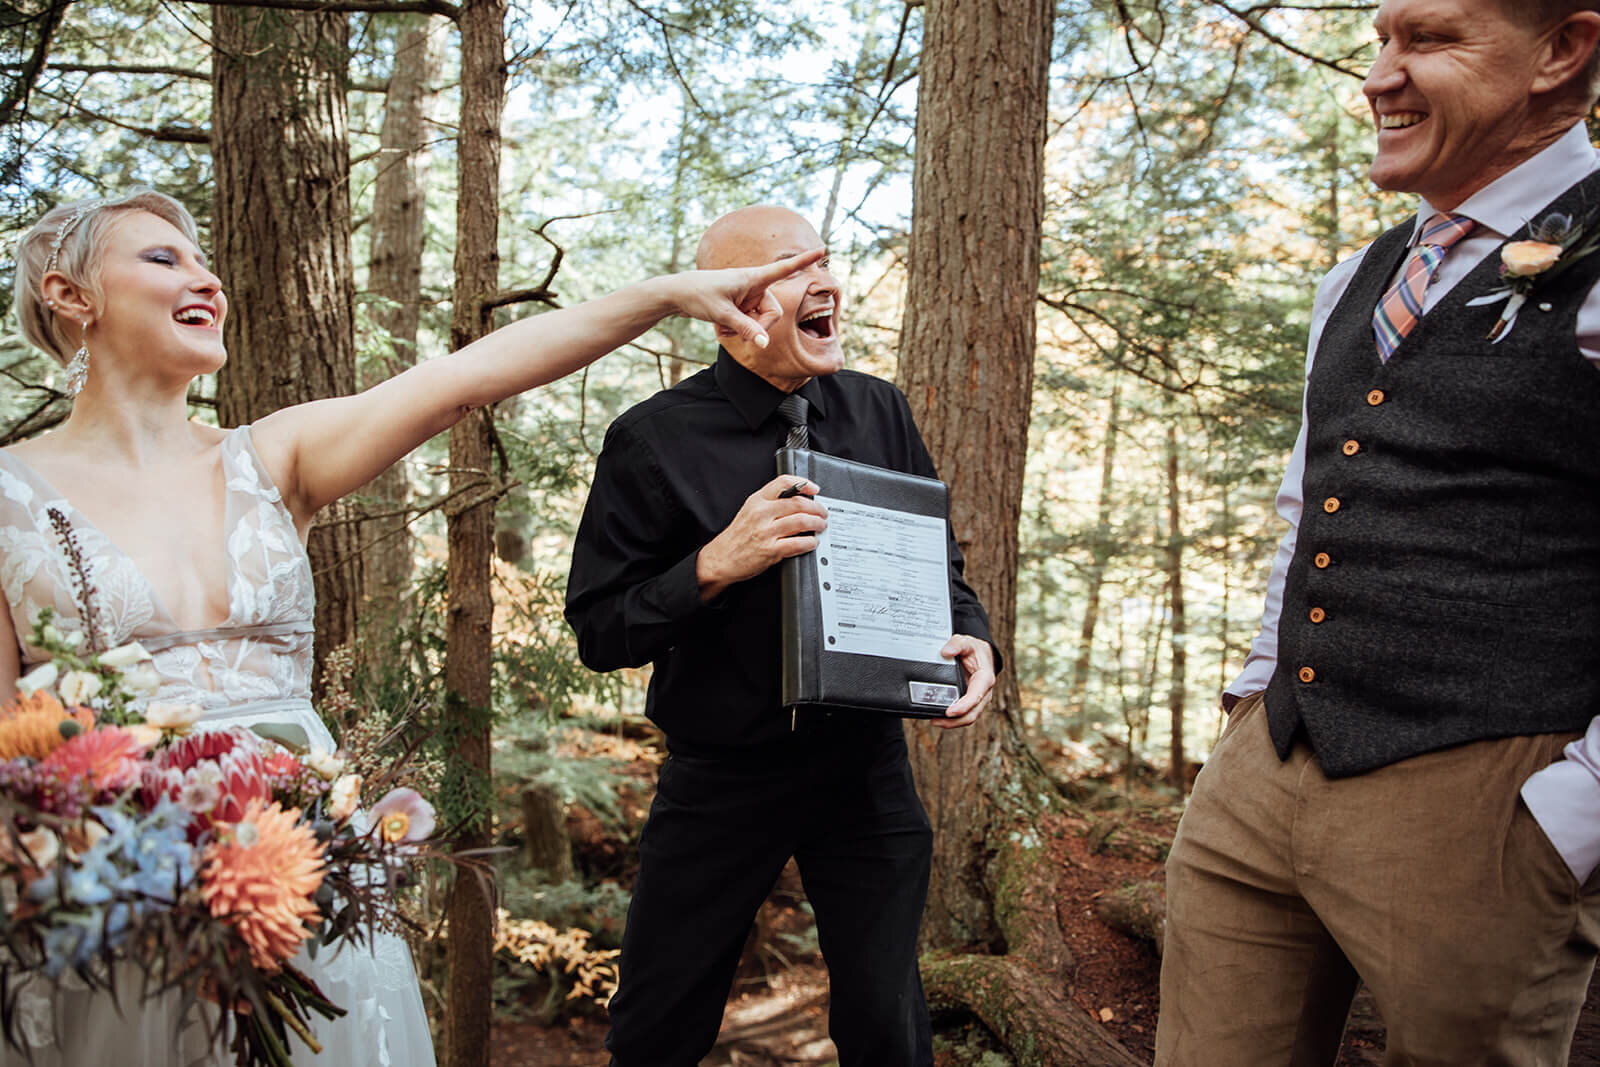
(470, 909)
(1176, 692)
(544, 833)
(966, 365)
(395, 274)
(1138, 909)
(281, 228)
(1100, 555)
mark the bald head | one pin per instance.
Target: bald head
(751, 236)
(799, 312)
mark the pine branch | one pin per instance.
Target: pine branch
(16, 98)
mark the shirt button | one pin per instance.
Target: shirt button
(1322, 560)
(1331, 505)
(1317, 614)
(1307, 675)
(1351, 447)
(1375, 397)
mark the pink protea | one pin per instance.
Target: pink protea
(106, 760)
(206, 745)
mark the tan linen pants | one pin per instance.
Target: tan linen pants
(1428, 879)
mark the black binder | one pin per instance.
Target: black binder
(813, 675)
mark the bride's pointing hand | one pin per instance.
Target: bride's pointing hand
(736, 298)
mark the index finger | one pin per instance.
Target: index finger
(774, 272)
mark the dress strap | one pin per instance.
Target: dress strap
(227, 633)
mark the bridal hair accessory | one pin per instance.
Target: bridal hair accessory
(83, 212)
(1554, 244)
(78, 366)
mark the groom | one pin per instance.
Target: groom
(1408, 788)
(674, 564)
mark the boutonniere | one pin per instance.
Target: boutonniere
(1555, 244)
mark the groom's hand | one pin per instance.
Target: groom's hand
(761, 534)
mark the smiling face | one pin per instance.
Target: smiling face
(800, 313)
(158, 298)
(1460, 95)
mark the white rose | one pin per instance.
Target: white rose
(324, 763)
(125, 655)
(142, 679)
(143, 735)
(79, 687)
(344, 797)
(41, 677)
(178, 718)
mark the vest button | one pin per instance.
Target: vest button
(1307, 675)
(1317, 614)
(1375, 397)
(1322, 560)
(1331, 505)
(1351, 447)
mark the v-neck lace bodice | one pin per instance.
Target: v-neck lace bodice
(255, 666)
(260, 652)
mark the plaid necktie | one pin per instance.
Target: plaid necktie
(1401, 306)
(795, 409)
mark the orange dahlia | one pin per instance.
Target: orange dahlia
(259, 875)
(31, 725)
(107, 760)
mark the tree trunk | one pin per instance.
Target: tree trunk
(1176, 694)
(470, 909)
(395, 275)
(544, 833)
(281, 229)
(1100, 555)
(966, 364)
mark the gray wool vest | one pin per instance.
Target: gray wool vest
(1445, 585)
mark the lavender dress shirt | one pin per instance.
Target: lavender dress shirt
(1565, 796)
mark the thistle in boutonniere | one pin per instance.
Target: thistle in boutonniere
(1555, 244)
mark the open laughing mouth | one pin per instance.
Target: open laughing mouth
(195, 315)
(818, 324)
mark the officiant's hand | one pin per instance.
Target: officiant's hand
(762, 534)
(977, 661)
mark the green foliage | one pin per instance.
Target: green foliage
(968, 1043)
(601, 909)
(525, 757)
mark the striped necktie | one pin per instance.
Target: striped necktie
(794, 410)
(1401, 306)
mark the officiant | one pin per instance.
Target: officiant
(1407, 791)
(675, 565)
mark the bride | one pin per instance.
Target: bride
(194, 536)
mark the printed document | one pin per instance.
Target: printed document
(884, 582)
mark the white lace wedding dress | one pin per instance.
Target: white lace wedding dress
(255, 667)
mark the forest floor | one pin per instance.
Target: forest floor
(777, 1013)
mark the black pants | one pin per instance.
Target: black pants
(719, 832)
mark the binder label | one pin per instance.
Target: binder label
(932, 694)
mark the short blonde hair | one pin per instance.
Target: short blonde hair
(76, 254)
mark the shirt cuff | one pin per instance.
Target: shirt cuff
(1565, 801)
(675, 593)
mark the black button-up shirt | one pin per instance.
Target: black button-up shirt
(673, 473)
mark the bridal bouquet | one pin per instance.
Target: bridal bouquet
(205, 860)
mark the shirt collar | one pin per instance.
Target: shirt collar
(1508, 202)
(755, 398)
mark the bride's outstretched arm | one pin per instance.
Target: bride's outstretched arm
(10, 654)
(320, 451)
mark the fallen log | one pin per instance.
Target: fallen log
(1138, 909)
